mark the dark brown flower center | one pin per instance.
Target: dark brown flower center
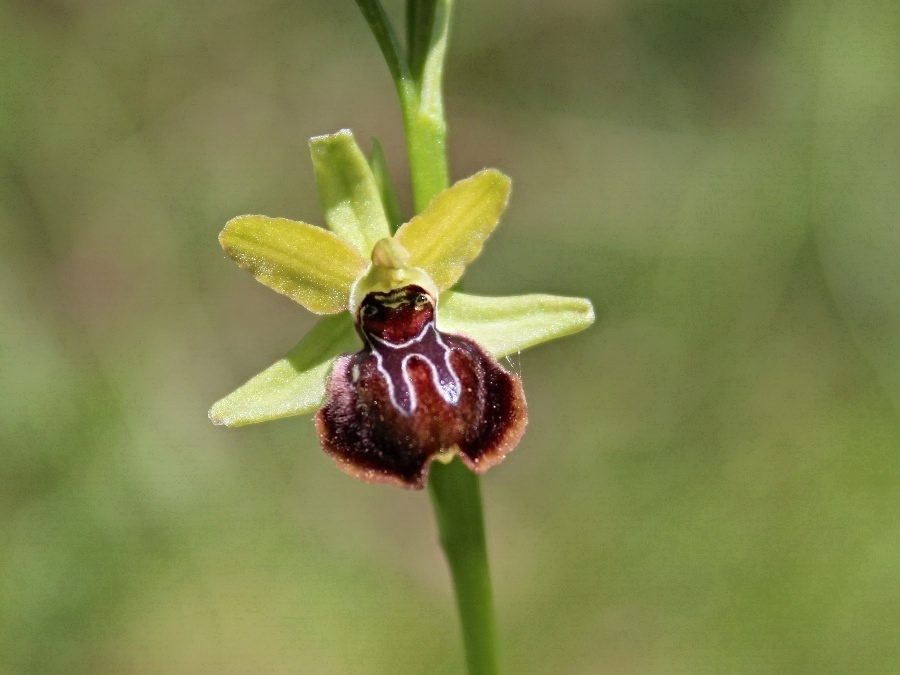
(399, 328)
(414, 393)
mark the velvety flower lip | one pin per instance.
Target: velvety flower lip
(418, 380)
(414, 394)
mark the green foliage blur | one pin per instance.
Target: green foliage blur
(710, 482)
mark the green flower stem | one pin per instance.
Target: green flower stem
(426, 145)
(428, 28)
(455, 491)
(456, 497)
(419, 88)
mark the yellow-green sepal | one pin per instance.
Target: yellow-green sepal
(293, 385)
(451, 231)
(506, 325)
(308, 264)
(348, 191)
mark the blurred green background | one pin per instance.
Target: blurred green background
(711, 478)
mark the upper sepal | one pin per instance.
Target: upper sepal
(349, 193)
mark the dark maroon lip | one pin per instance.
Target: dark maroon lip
(399, 327)
(414, 393)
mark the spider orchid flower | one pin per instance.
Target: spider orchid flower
(401, 369)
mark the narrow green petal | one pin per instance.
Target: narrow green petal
(450, 232)
(348, 192)
(385, 186)
(510, 324)
(308, 264)
(294, 385)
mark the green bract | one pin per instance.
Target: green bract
(329, 272)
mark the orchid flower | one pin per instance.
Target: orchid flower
(418, 378)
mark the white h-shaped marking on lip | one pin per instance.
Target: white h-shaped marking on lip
(449, 396)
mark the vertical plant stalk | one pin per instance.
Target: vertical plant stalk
(455, 491)
(456, 497)
(418, 80)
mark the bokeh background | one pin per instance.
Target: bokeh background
(711, 478)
